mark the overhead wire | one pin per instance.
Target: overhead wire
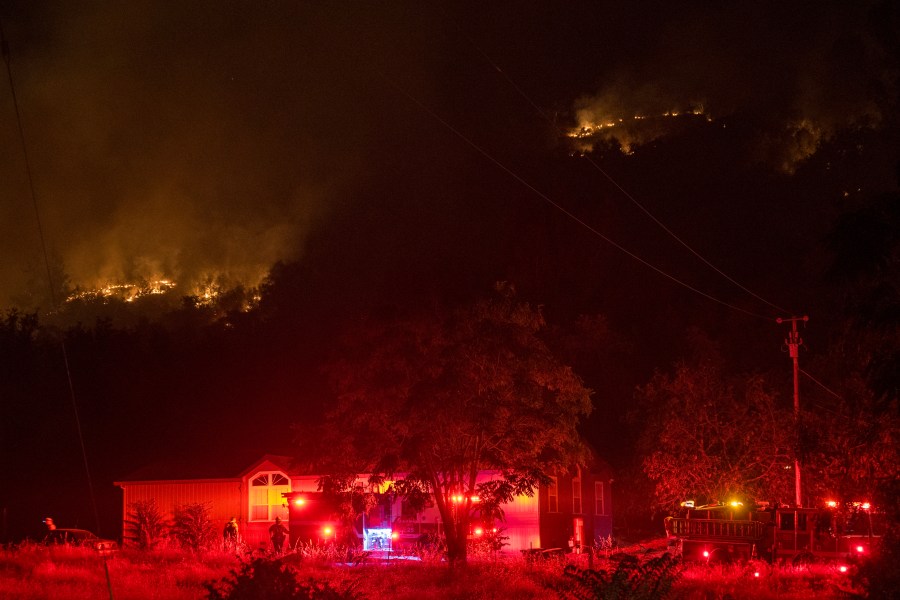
(615, 183)
(53, 298)
(557, 205)
(650, 215)
(822, 385)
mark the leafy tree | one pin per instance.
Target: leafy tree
(146, 525)
(348, 500)
(850, 436)
(709, 437)
(193, 527)
(438, 397)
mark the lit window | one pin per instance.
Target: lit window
(599, 499)
(576, 495)
(553, 496)
(266, 500)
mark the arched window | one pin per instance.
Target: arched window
(266, 500)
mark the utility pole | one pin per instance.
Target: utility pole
(793, 343)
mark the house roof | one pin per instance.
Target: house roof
(227, 466)
(236, 465)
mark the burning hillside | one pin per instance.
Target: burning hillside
(628, 133)
(210, 291)
(127, 292)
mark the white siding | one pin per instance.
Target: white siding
(522, 524)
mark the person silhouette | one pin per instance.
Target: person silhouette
(230, 533)
(278, 533)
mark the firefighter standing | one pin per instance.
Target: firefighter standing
(230, 533)
(278, 533)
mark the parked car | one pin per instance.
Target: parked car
(80, 537)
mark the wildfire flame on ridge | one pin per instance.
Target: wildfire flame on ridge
(626, 132)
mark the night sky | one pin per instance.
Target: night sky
(395, 152)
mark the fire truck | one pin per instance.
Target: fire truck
(732, 532)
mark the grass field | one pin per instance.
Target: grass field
(39, 572)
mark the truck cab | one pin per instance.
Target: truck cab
(731, 532)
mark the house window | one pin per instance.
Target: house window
(266, 500)
(553, 496)
(599, 499)
(576, 495)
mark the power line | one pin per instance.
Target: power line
(625, 192)
(53, 300)
(822, 385)
(558, 206)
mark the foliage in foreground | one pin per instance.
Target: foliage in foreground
(652, 580)
(37, 572)
(262, 578)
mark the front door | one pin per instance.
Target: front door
(578, 535)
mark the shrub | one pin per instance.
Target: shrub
(322, 553)
(651, 581)
(145, 525)
(431, 548)
(489, 543)
(193, 527)
(262, 578)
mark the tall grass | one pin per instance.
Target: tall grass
(32, 572)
